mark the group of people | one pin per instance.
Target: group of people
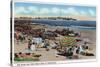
(19, 37)
(69, 52)
(34, 45)
(74, 52)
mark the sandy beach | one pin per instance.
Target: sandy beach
(49, 55)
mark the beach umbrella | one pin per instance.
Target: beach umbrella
(68, 41)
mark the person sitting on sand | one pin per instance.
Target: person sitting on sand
(16, 55)
(69, 53)
(53, 45)
(85, 46)
(88, 52)
(76, 52)
(20, 54)
(46, 46)
(81, 49)
(56, 53)
(42, 44)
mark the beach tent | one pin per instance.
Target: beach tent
(37, 40)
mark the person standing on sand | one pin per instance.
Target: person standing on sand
(17, 36)
(33, 47)
(29, 44)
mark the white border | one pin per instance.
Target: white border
(15, 64)
(12, 32)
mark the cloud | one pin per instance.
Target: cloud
(26, 10)
(83, 13)
(69, 11)
(44, 11)
(91, 12)
(32, 9)
(20, 10)
(55, 10)
(64, 11)
(72, 11)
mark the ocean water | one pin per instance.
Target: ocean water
(86, 25)
(83, 27)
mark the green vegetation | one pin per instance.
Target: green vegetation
(26, 59)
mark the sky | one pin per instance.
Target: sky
(37, 9)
